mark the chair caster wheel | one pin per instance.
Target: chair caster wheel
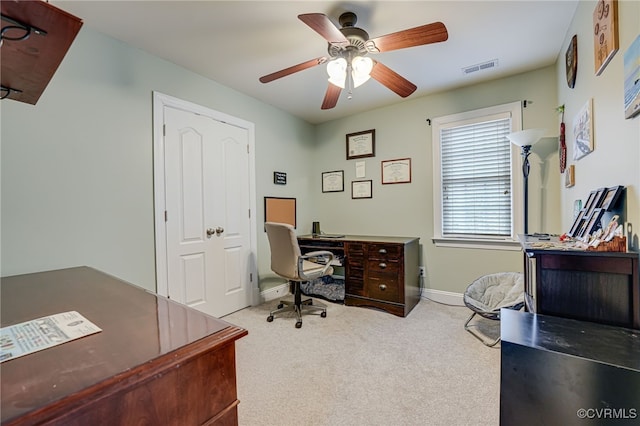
(298, 324)
(280, 306)
(323, 314)
(270, 318)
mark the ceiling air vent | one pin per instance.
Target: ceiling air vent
(479, 67)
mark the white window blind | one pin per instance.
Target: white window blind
(476, 178)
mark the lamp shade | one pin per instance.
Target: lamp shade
(337, 70)
(361, 69)
(526, 137)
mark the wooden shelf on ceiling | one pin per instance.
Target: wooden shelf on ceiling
(28, 65)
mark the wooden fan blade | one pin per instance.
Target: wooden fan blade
(392, 80)
(288, 71)
(426, 34)
(321, 24)
(331, 97)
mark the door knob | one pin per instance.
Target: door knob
(217, 230)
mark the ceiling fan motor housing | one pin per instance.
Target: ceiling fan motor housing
(357, 37)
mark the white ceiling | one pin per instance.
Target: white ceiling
(236, 42)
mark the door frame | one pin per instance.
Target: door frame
(160, 101)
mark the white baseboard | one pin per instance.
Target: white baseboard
(446, 297)
(439, 296)
(275, 292)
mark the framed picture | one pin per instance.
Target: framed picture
(632, 79)
(605, 33)
(583, 131)
(570, 176)
(577, 224)
(597, 200)
(333, 181)
(361, 144)
(571, 61)
(592, 223)
(396, 171)
(588, 205)
(361, 189)
(610, 197)
(280, 210)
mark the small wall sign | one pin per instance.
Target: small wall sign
(279, 178)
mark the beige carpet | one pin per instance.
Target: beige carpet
(360, 366)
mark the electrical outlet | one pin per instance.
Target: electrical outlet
(421, 271)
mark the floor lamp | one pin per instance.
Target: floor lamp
(525, 139)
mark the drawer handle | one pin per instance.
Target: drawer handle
(382, 251)
(382, 265)
(382, 287)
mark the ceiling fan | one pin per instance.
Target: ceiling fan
(348, 64)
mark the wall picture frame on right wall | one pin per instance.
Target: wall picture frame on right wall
(583, 131)
(632, 79)
(605, 33)
(570, 176)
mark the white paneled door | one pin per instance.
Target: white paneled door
(207, 193)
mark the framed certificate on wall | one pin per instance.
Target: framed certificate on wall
(361, 144)
(361, 189)
(333, 181)
(396, 171)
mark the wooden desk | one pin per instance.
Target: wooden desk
(155, 362)
(380, 272)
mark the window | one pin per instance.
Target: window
(473, 178)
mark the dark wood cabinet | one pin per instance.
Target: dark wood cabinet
(154, 362)
(559, 371)
(29, 64)
(601, 287)
(380, 272)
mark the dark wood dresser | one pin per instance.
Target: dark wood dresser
(559, 371)
(380, 272)
(602, 287)
(154, 362)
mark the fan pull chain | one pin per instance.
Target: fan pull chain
(349, 80)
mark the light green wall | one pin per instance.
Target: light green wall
(406, 209)
(616, 157)
(77, 178)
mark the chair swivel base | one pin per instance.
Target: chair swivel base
(478, 336)
(298, 306)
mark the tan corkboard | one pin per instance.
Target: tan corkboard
(281, 210)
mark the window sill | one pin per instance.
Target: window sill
(486, 244)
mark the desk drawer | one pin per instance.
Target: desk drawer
(383, 266)
(383, 288)
(384, 251)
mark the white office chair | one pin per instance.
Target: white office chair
(288, 262)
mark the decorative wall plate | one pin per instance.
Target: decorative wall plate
(571, 61)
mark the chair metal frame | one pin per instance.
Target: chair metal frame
(492, 315)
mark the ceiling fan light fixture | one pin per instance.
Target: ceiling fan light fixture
(337, 70)
(361, 67)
